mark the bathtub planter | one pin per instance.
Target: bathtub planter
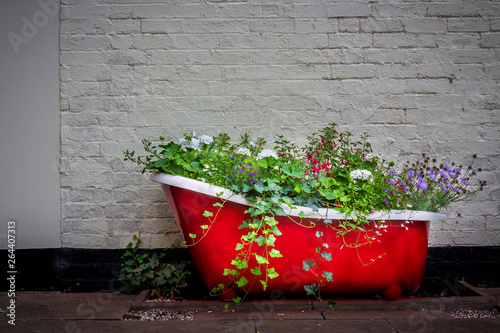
(388, 261)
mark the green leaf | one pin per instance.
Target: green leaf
(293, 170)
(274, 187)
(232, 272)
(270, 221)
(275, 253)
(328, 276)
(256, 271)
(278, 211)
(239, 246)
(239, 263)
(311, 289)
(319, 234)
(242, 282)
(327, 194)
(271, 273)
(262, 163)
(192, 235)
(264, 284)
(260, 188)
(245, 188)
(208, 214)
(328, 182)
(204, 226)
(196, 166)
(331, 304)
(260, 259)
(261, 240)
(276, 231)
(327, 256)
(307, 264)
(218, 204)
(302, 214)
(271, 239)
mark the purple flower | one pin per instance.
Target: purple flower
(410, 174)
(393, 181)
(422, 185)
(443, 174)
(432, 175)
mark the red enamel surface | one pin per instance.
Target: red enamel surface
(393, 263)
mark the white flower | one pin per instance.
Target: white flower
(195, 143)
(369, 156)
(361, 174)
(267, 153)
(244, 151)
(206, 139)
(185, 143)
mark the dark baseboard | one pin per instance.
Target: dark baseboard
(90, 270)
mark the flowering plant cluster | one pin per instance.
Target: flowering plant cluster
(331, 171)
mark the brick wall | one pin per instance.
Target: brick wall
(419, 76)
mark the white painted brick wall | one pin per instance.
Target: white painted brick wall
(422, 76)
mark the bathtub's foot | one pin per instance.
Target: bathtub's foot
(392, 292)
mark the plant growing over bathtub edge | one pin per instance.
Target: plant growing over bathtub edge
(331, 171)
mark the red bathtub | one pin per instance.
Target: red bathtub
(388, 261)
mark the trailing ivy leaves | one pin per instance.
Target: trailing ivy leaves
(311, 289)
(140, 271)
(307, 264)
(256, 271)
(328, 276)
(242, 282)
(271, 273)
(260, 259)
(275, 253)
(326, 255)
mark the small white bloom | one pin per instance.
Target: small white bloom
(361, 174)
(251, 143)
(184, 143)
(267, 153)
(206, 139)
(244, 151)
(195, 143)
(369, 156)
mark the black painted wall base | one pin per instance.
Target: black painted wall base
(89, 270)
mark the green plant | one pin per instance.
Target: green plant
(140, 271)
(331, 171)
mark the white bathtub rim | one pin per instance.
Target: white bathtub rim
(323, 213)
